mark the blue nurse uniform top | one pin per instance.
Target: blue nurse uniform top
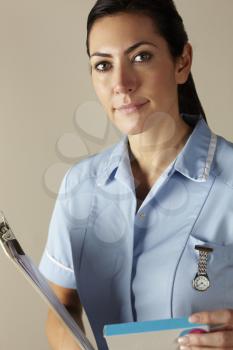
(130, 265)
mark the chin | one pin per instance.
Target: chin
(130, 127)
(134, 128)
(131, 131)
(134, 132)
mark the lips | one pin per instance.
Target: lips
(131, 107)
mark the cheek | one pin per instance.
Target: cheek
(161, 80)
(162, 87)
(102, 92)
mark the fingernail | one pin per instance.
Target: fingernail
(194, 319)
(184, 347)
(183, 340)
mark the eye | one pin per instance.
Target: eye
(103, 64)
(146, 56)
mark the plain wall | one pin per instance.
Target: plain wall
(49, 119)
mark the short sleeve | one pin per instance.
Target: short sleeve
(56, 263)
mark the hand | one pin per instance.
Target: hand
(68, 343)
(216, 339)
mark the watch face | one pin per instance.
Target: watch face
(201, 283)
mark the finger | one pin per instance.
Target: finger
(216, 340)
(213, 317)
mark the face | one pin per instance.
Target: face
(131, 65)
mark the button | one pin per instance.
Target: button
(142, 215)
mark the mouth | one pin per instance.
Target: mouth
(132, 108)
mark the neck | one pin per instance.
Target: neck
(154, 149)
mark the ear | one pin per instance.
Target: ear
(183, 64)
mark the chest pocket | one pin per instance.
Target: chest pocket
(185, 299)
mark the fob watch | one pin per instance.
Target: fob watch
(201, 280)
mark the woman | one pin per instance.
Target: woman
(144, 230)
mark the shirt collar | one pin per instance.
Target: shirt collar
(196, 157)
(194, 161)
(118, 156)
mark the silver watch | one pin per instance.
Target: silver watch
(201, 280)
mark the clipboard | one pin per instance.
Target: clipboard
(25, 265)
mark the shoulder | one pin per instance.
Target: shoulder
(224, 160)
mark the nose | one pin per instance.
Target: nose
(124, 80)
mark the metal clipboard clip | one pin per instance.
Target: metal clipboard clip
(7, 239)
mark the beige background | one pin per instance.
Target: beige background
(49, 119)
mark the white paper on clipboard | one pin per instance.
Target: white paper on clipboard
(25, 265)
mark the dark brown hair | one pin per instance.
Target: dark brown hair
(168, 24)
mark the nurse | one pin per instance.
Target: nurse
(144, 230)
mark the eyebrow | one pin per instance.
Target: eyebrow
(127, 51)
